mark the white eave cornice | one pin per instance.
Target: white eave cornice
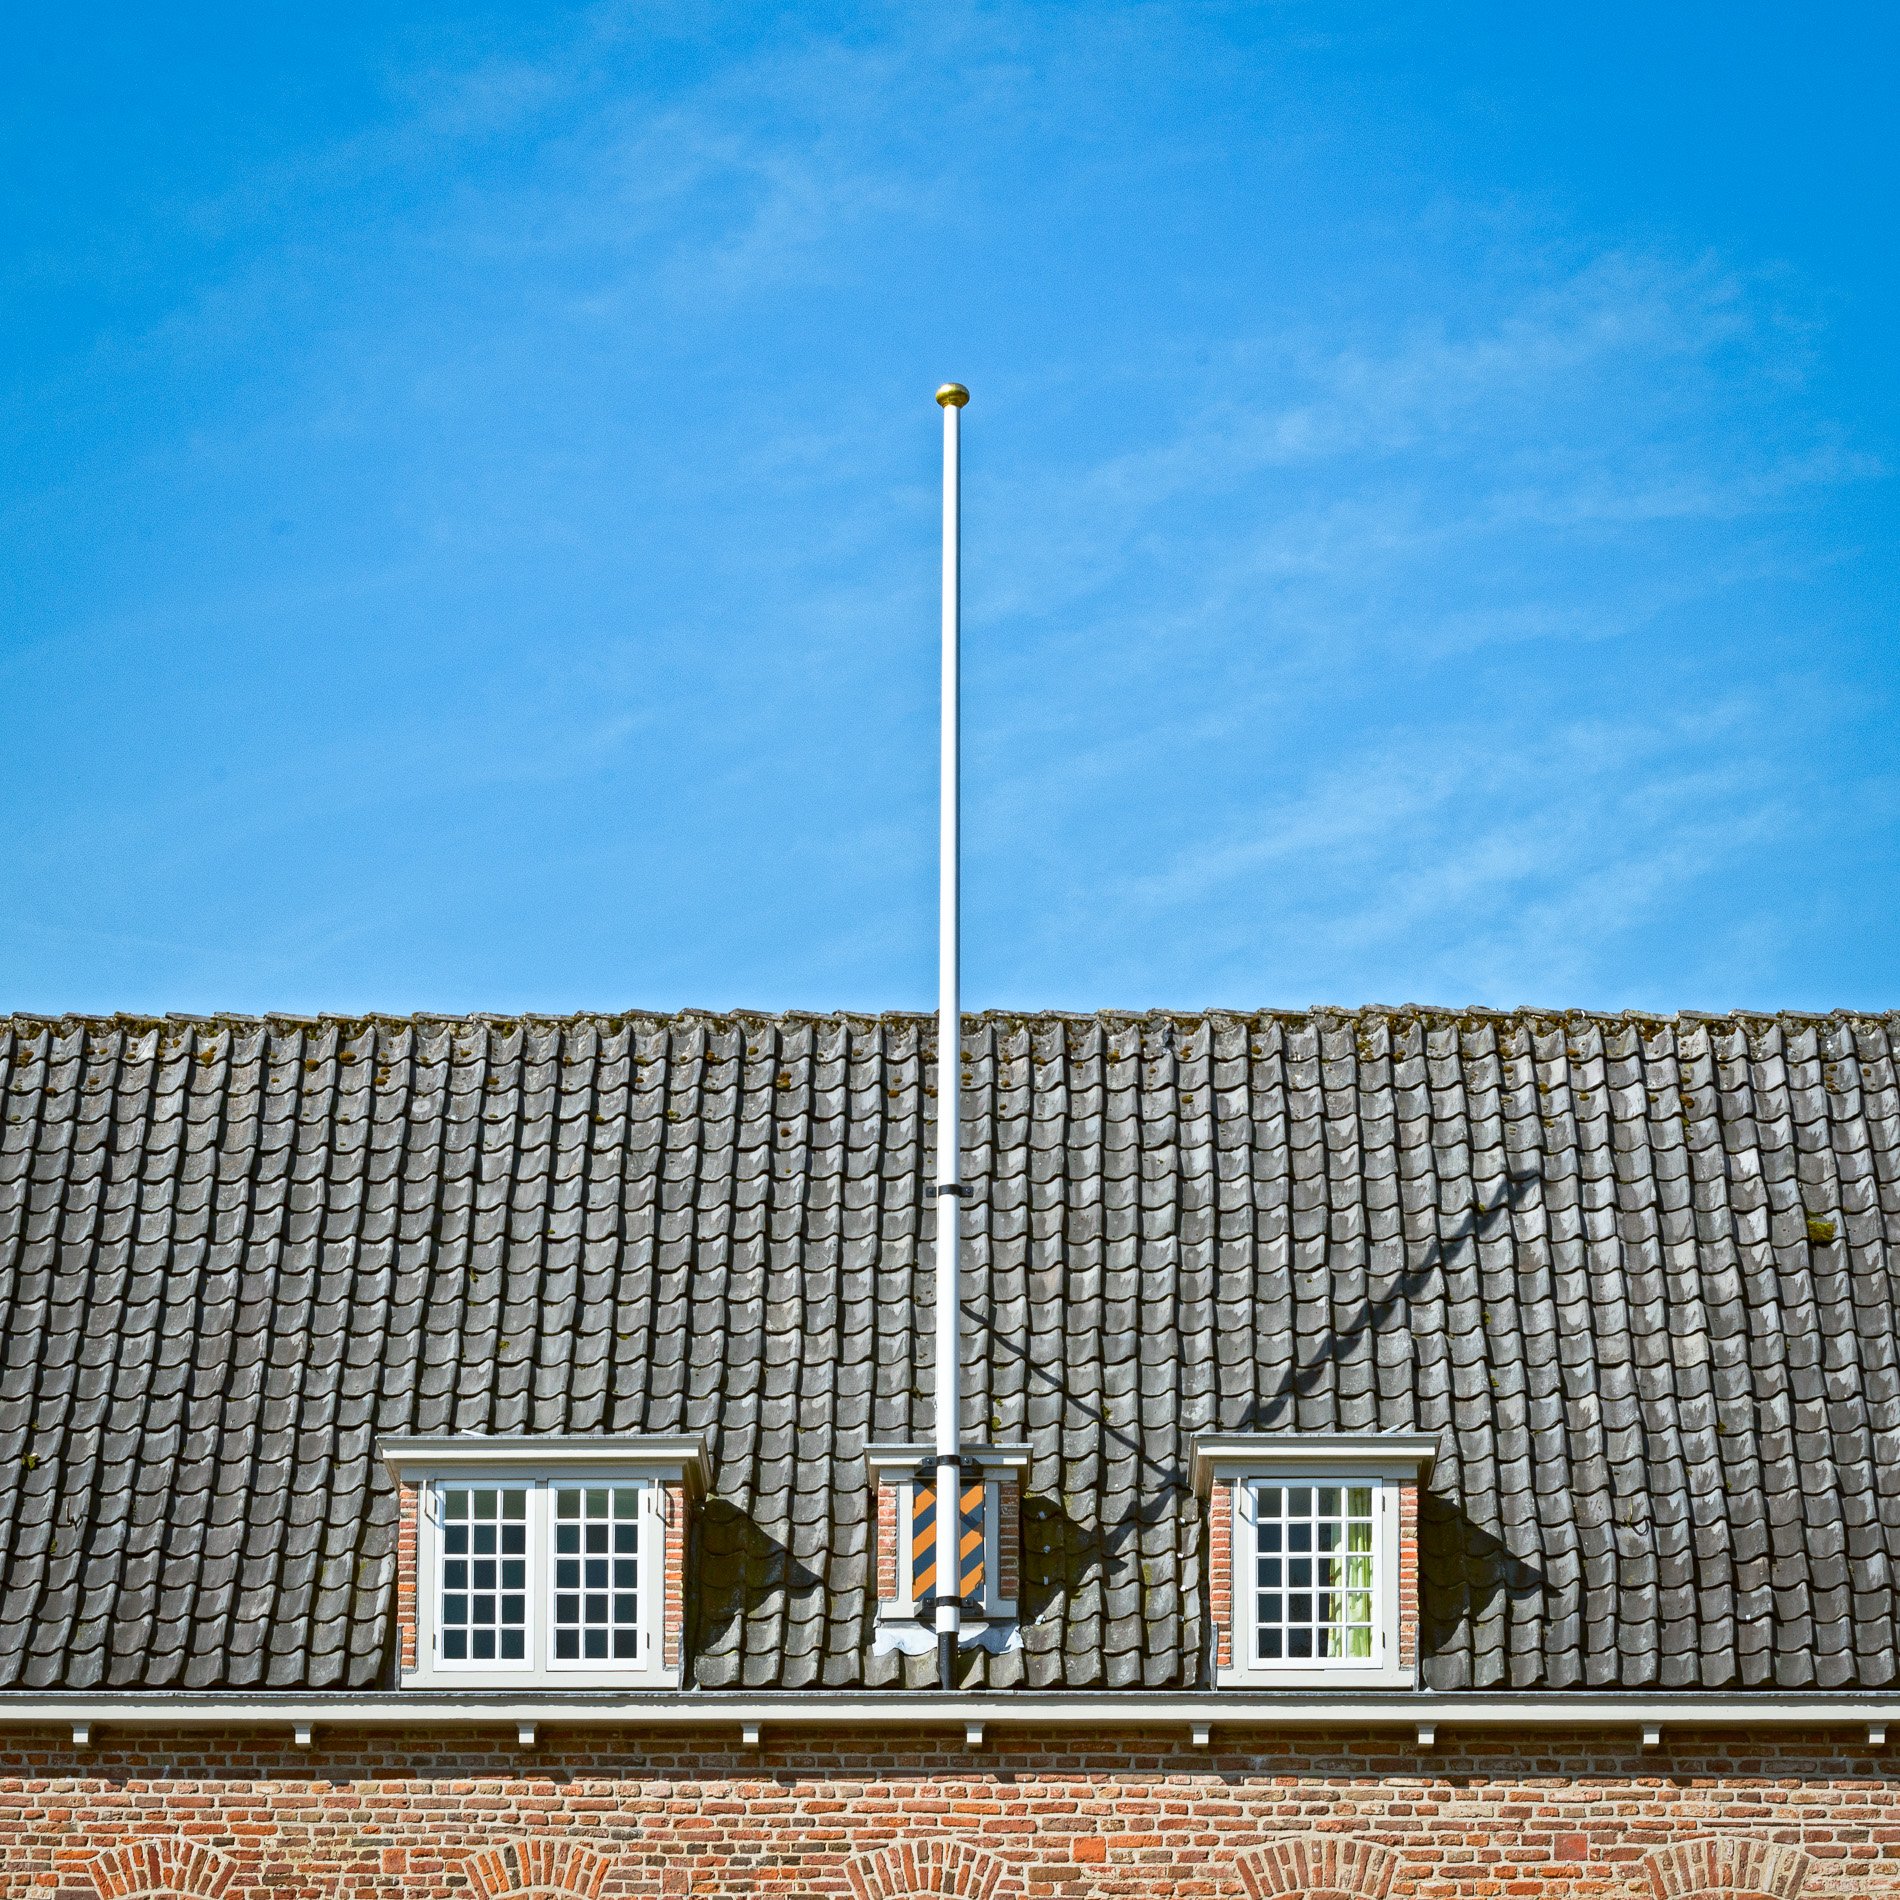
(1376, 1454)
(556, 1453)
(1197, 1712)
(908, 1457)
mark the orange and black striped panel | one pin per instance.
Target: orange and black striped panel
(923, 1539)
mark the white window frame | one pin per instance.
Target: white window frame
(1383, 1661)
(1387, 1461)
(539, 1468)
(540, 1660)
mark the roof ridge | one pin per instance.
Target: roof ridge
(1437, 1012)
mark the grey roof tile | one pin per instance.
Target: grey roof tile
(233, 1252)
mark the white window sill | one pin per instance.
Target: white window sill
(441, 1680)
(1001, 1610)
(905, 1636)
(1320, 1677)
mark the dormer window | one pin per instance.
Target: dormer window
(1312, 1549)
(989, 1539)
(555, 1559)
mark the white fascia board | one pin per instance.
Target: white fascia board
(553, 1453)
(845, 1710)
(1376, 1454)
(909, 1457)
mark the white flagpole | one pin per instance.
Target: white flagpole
(949, 1184)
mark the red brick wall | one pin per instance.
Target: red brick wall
(1220, 1571)
(864, 1815)
(1408, 1575)
(887, 1494)
(673, 1609)
(408, 1548)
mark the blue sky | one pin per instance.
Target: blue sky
(469, 504)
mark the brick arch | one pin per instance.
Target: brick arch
(536, 1869)
(1317, 1867)
(1726, 1867)
(931, 1870)
(174, 1867)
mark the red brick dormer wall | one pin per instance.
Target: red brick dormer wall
(673, 1607)
(1220, 1571)
(408, 1558)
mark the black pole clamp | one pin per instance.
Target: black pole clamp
(927, 1606)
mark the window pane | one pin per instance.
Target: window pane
(1313, 1595)
(483, 1605)
(596, 1570)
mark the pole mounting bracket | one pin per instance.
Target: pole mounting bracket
(926, 1472)
(966, 1606)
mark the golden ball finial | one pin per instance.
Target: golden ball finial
(953, 395)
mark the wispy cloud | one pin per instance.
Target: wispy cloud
(1444, 866)
(1603, 400)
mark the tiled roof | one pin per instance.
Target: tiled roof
(1638, 1275)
